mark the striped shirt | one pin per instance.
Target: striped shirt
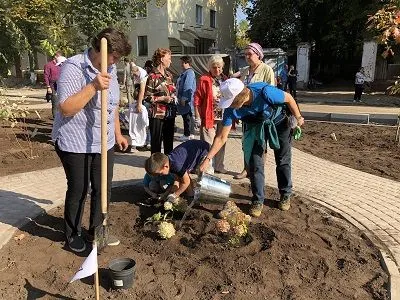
(81, 133)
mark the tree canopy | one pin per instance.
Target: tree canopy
(385, 25)
(241, 34)
(48, 25)
(334, 28)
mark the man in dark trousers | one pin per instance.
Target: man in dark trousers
(51, 75)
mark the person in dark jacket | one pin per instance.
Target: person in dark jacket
(186, 86)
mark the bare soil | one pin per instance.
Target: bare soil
(305, 253)
(371, 149)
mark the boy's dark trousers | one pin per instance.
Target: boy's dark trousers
(162, 130)
(80, 169)
(187, 124)
(53, 86)
(292, 88)
(359, 88)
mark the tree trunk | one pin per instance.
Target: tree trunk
(35, 60)
(17, 63)
(31, 61)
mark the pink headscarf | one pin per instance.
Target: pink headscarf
(256, 48)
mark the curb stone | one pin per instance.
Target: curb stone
(394, 276)
(356, 118)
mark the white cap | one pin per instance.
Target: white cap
(60, 60)
(229, 89)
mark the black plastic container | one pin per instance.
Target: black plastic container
(122, 272)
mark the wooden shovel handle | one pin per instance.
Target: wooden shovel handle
(104, 94)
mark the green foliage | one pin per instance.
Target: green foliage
(49, 25)
(385, 25)
(10, 112)
(92, 16)
(242, 38)
(335, 28)
(273, 23)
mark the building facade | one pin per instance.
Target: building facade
(184, 26)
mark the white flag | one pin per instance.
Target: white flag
(88, 267)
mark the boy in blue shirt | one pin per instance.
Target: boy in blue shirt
(183, 160)
(158, 187)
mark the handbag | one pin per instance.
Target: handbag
(158, 110)
(171, 111)
(48, 97)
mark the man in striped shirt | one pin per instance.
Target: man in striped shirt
(77, 131)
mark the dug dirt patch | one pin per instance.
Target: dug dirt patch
(371, 149)
(22, 151)
(305, 253)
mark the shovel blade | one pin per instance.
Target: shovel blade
(101, 235)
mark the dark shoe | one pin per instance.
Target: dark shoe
(284, 203)
(256, 209)
(89, 238)
(241, 175)
(76, 243)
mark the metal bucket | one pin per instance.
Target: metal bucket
(212, 189)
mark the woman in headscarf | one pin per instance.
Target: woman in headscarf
(258, 71)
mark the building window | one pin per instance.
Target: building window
(203, 45)
(213, 18)
(199, 15)
(141, 10)
(142, 46)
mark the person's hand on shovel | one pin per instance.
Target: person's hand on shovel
(101, 82)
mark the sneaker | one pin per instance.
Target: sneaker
(183, 138)
(76, 243)
(284, 203)
(256, 209)
(112, 240)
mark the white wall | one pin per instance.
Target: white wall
(167, 22)
(155, 27)
(303, 64)
(225, 25)
(369, 59)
